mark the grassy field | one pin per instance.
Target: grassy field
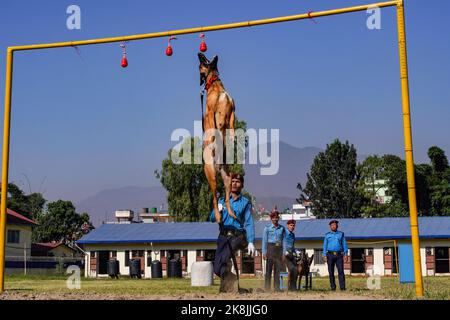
(34, 287)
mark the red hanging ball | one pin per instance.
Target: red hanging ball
(169, 51)
(124, 62)
(203, 47)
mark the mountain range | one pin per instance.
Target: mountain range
(270, 190)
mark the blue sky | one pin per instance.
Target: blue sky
(83, 124)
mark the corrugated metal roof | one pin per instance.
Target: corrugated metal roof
(15, 217)
(376, 228)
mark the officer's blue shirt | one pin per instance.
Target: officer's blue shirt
(242, 209)
(273, 234)
(335, 241)
(289, 241)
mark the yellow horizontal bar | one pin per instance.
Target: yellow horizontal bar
(208, 28)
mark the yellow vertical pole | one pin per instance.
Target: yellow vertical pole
(409, 149)
(5, 163)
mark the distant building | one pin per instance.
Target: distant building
(145, 216)
(380, 190)
(124, 216)
(54, 249)
(300, 211)
(18, 234)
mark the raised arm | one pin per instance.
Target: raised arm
(212, 216)
(249, 225)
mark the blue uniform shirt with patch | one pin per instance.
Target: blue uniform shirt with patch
(289, 241)
(335, 241)
(242, 209)
(273, 235)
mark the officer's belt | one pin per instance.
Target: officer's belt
(335, 253)
(275, 244)
(231, 232)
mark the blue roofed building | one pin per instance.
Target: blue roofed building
(373, 244)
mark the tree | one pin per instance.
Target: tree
(188, 195)
(440, 198)
(439, 160)
(29, 205)
(332, 184)
(371, 172)
(392, 170)
(439, 182)
(60, 222)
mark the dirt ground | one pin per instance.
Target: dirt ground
(23, 295)
(57, 288)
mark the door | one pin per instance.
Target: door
(103, 257)
(406, 263)
(394, 260)
(358, 264)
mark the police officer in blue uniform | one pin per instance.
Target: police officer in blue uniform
(291, 263)
(273, 248)
(335, 251)
(233, 234)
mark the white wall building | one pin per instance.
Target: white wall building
(373, 244)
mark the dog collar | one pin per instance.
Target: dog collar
(211, 81)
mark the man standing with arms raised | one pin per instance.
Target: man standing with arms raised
(234, 234)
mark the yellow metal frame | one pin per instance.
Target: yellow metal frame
(405, 103)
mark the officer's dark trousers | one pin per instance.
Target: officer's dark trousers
(274, 255)
(222, 261)
(337, 260)
(293, 274)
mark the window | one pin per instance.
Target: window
(392, 252)
(127, 258)
(199, 253)
(248, 263)
(318, 256)
(13, 236)
(113, 254)
(210, 255)
(137, 253)
(442, 260)
(173, 254)
(94, 254)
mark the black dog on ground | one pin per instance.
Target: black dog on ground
(303, 269)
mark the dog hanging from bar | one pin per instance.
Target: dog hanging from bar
(218, 122)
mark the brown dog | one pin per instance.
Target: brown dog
(218, 120)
